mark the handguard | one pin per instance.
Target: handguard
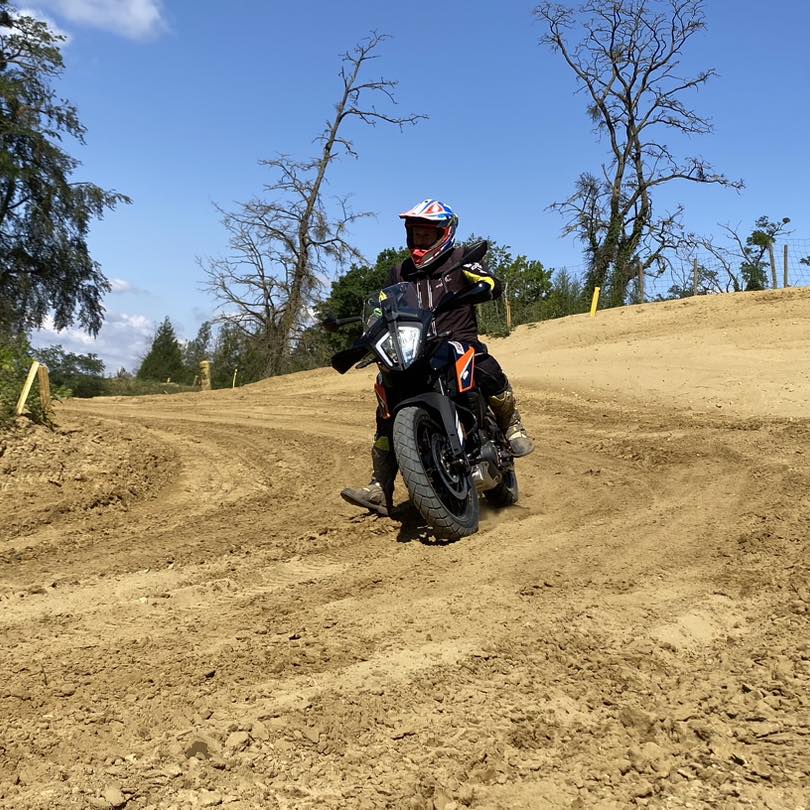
(478, 293)
(344, 360)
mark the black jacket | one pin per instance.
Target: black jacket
(455, 271)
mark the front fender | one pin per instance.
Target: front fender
(445, 409)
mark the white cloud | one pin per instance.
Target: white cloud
(122, 341)
(134, 19)
(139, 323)
(118, 285)
(75, 336)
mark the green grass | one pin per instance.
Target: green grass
(122, 387)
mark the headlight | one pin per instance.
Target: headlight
(409, 338)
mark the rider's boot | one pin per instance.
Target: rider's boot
(506, 415)
(379, 494)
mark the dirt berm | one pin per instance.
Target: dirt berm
(192, 617)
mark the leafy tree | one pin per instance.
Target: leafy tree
(492, 315)
(347, 296)
(754, 272)
(82, 374)
(236, 351)
(760, 242)
(565, 296)
(628, 61)
(164, 360)
(45, 263)
(350, 292)
(525, 283)
(197, 350)
(315, 347)
(282, 246)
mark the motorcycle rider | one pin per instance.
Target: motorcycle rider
(437, 268)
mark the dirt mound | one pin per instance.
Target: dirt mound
(634, 632)
(49, 476)
(744, 354)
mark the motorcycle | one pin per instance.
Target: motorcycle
(448, 445)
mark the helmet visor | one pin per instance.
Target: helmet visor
(423, 235)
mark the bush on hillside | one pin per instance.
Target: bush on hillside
(15, 361)
(78, 375)
(121, 386)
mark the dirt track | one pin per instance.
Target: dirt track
(192, 617)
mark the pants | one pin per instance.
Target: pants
(489, 378)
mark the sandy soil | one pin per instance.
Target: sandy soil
(192, 617)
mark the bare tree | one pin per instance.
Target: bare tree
(739, 264)
(627, 61)
(283, 245)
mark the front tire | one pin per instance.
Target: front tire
(447, 500)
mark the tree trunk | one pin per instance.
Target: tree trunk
(641, 279)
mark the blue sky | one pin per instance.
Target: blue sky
(181, 100)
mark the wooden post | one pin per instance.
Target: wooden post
(205, 375)
(508, 313)
(695, 276)
(640, 283)
(29, 381)
(233, 384)
(44, 388)
(595, 301)
(772, 257)
(786, 276)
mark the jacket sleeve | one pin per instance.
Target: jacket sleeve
(475, 272)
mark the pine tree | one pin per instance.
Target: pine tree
(165, 359)
(197, 350)
(45, 214)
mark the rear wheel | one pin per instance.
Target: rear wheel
(443, 495)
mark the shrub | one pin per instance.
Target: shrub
(15, 361)
(133, 387)
(80, 375)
